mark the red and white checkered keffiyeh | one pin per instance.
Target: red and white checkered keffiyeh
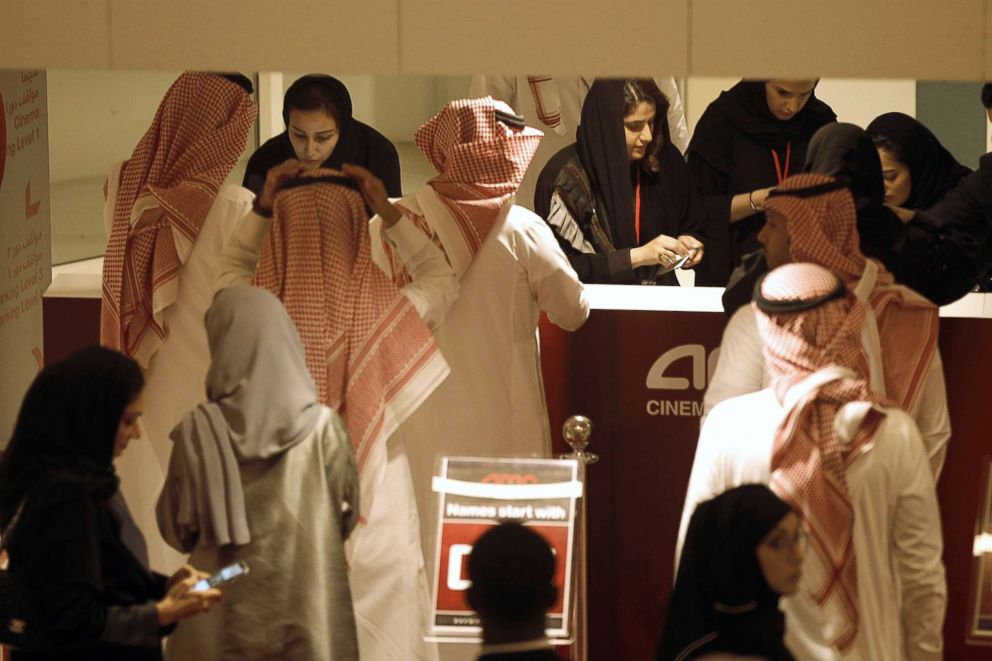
(369, 352)
(165, 192)
(823, 230)
(809, 463)
(480, 163)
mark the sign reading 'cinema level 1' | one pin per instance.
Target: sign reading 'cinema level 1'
(477, 494)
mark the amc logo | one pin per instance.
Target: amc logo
(509, 478)
(702, 368)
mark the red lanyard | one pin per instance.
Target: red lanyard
(637, 208)
(778, 167)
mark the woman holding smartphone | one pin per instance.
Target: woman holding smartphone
(263, 473)
(71, 541)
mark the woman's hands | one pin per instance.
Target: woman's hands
(275, 178)
(693, 247)
(662, 249)
(374, 192)
(181, 600)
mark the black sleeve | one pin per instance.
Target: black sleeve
(712, 188)
(943, 252)
(600, 268)
(384, 162)
(57, 560)
(693, 221)
(255, 173)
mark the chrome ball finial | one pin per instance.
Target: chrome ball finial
(577, 431)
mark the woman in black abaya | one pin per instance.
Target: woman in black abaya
(743, 551)
(321, 132)
(74, 546)
(619, 200)
(746, 142)
(939, 252)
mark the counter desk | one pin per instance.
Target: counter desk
(638, 368)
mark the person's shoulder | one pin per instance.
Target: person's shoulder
(560, 159)
(270, 148)
(376, 139)
(741, 409)
(234, 194)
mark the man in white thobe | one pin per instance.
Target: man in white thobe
(873, 584)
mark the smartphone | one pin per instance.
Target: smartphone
(225, 575)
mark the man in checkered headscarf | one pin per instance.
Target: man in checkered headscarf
(511, 269)
(811, 218)
(167, 213)
(873, 586)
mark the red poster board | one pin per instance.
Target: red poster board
(475, 494)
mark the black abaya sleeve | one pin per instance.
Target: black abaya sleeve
(384, 162)
(610, 268)
(56, 555)
(714, 200)
(939, 259)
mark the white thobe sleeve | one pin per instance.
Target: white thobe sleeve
(240, 255)
(552, 280)
(917, 546)
(435, 285)
(932, 417)
(676, 113)
(740, 368)
(502, 88)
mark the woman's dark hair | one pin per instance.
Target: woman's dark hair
(312, 96)
(68, 424)
(987, 95)
(884, 142)
(636, 90)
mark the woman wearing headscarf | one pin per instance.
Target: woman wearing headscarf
(940, 254)
(322, 133)
(742, 552)
(168, 214)
(263, 473)
(917, 170)
(619, 200)
(70, 538)
(748, 141)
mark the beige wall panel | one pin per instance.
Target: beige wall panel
(616, 37)
(71, 34)
(988, 40)
(344, 36)
(844, 38)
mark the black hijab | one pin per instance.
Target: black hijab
(721, 602)
(938, 253)
(358, 143)
(843, 150)
(67, 425)
(744, 108)
(601, 145)
(932, 169)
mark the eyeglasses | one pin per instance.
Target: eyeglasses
(782, 541)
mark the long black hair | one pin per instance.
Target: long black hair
(68, 423)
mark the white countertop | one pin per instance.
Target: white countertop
(82, 280)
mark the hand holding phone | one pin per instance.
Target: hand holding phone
(225, 575)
